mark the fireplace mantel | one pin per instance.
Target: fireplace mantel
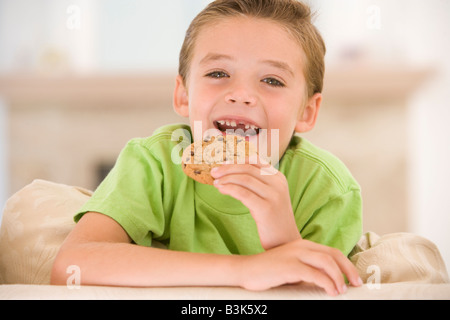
(343, 84)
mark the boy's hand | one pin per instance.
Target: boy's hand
(299, 261)
(264, 191)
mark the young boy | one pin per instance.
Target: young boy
(255, 64)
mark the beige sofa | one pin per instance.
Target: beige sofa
(37, 219)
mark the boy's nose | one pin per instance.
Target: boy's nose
(241, 95)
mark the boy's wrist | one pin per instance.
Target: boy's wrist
(240, 270)
(273, 238)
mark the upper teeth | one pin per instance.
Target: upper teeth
(232, 123)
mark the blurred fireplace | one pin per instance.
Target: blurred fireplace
(103, 168)
(70, 129)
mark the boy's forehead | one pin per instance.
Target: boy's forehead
(230, 38)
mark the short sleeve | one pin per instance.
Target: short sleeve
(131, 194)
(338, 223)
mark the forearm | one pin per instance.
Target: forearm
(104, 255)
(124, 264)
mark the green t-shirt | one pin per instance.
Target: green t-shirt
(148, 194)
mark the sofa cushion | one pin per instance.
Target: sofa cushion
(398, 257)
(36, 220)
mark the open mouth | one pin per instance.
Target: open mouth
(238, 127)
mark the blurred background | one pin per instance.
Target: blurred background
(79, 78)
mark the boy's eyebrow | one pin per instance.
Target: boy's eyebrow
(214, 57)
(275, 63)
(280, 65)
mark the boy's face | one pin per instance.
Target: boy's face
(247, 73)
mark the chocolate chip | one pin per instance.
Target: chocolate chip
(197, 172)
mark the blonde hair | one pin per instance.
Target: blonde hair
(293, 15)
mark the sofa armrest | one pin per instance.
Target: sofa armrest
(35, 222)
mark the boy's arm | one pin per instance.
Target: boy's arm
(105, 255)
(103, 251)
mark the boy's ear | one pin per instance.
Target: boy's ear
(180, 98)
(308, 116)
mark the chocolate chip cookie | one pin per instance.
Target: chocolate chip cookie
(200, 157)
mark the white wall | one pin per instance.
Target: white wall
(429, 125)
(93, 35)
(47, 36)
(430, 158)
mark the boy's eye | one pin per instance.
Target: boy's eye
(273, 82)
(217, 74)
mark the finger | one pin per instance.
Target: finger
(265, 168)
(343, 262)
(307, 273)
(261, 172)
(350, 271)
(248, 197)
(220, 171)
(257, 161)
(345, 266)
(246, 181)
(257, 205)
(326, 264)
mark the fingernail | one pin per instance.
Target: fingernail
(253, 159)
(263, 161)
(344, 288)
(359, 281)
(214, 171)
